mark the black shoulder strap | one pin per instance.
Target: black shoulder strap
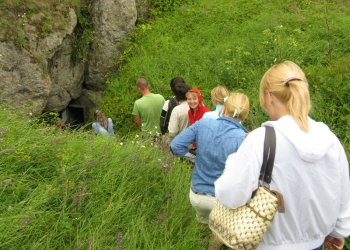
(173, 102)
(269, 155)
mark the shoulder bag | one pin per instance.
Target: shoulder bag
(244, 227)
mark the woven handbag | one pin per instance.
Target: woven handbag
(244, 227)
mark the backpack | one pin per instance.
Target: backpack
(171, 105)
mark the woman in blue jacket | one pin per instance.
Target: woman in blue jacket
(216, 140)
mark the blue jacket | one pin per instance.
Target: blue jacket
(216, 140)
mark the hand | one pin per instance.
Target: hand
(331, 243)
(246, 134)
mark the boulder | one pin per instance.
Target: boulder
(113, 20)
(37, 73)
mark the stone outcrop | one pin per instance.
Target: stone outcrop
(113, 20)
(39, 76)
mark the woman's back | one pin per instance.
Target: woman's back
(310, 171)
(216, 140)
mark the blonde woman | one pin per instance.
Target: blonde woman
(218, 94)
(310, 168)
(103, 125)
(216, 139)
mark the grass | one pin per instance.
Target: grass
(232, 43)
(66, 189)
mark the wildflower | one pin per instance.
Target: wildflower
(137, 136)
(0, 55)
(142, 146)
(275, 60)
(119, 241)
(25, 221)
(121, 144)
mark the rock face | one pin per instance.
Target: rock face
(39, 76)
(113, 20)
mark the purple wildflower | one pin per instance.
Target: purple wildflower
(119, 241)
(25, 221)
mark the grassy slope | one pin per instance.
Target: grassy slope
(74, 190)
(63, 189)
(233, 43)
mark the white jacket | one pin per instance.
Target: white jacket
(310, 171)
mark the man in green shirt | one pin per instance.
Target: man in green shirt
(147, 109)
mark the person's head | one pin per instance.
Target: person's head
(175, 81)
(101, 118)
(218, 94)
(236, 106)
(284, 90)
(194, 98)
(180, 91)
(142, 85)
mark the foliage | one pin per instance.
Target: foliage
(83, 191)
(71, 189)
(232, 43)
(18, 18)
(161, 7)
(85, 40)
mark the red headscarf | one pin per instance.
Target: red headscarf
(201, 109)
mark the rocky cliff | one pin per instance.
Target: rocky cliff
(39, 75)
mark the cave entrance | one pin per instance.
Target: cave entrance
(74, 114)
(79, 111)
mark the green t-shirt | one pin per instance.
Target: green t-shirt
(149, 108)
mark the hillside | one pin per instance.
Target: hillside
(66, 188)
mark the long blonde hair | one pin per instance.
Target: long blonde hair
(218, 94)
(101, 119)
(237, 106)
(288, 83)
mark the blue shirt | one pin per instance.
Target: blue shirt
(213, 114)
(216, 140)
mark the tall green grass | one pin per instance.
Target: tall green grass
(71, 189)
(232, 43)
(67, 189)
